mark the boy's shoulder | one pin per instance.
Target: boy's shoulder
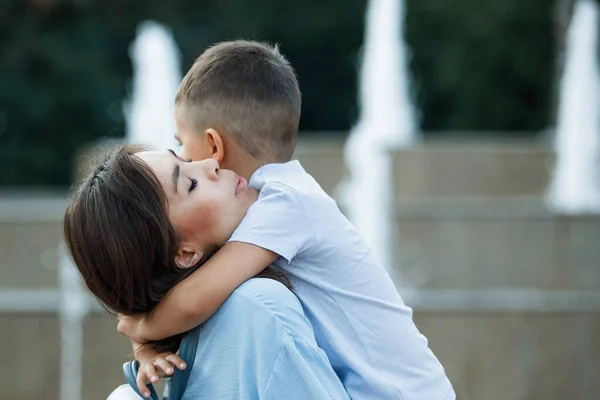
(289, 174)
(286, 177)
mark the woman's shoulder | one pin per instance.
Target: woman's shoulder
(258, 301)
(265, 291)
(267, 296)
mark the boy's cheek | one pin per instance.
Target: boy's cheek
(196, 151)
(185, 153)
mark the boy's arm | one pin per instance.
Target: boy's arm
(196, 298)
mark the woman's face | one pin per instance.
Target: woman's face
(205, 203)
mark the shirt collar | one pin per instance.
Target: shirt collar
(290, 166)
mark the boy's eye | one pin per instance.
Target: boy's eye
(193, 184)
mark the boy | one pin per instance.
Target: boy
(240, 104)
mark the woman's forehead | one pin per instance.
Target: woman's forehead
(157, 159)
(160, 162)
(152, 155)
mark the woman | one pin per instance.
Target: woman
(137, 218)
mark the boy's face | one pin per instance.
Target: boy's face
(194, 145)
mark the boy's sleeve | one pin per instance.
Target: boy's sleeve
(278, 221)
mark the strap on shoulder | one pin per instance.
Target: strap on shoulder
(187, 352)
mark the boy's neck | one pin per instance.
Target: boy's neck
(241, 162)
(247, 169)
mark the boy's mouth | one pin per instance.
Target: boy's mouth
(241, 185)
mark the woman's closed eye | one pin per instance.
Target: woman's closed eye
(193, 184)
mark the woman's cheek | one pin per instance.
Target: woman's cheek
(198, 218)
(212, 213)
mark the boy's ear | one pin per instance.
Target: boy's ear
(187, 256)
(215, 141)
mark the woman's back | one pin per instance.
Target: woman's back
(290, 366)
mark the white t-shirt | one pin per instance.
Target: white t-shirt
(358, 317)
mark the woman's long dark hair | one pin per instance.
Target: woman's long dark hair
(119, 235)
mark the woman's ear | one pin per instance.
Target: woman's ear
(215, 141)
(187, 256)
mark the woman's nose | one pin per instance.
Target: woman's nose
(212, 167)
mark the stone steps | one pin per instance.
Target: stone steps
(480, 243)
(486, 169)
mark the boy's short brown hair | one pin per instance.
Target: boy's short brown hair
(249, 90)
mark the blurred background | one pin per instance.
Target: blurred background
(478, 123)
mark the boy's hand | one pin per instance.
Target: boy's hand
(153, 365)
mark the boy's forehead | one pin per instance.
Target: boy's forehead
(183, 111)
(180, 109)
(184, 119)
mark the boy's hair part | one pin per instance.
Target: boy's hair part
(250, 91)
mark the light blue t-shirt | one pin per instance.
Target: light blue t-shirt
(358, 317)
(234, 362)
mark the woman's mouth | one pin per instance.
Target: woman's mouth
(242, 184)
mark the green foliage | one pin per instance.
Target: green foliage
(65, 69)
(482, 65)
